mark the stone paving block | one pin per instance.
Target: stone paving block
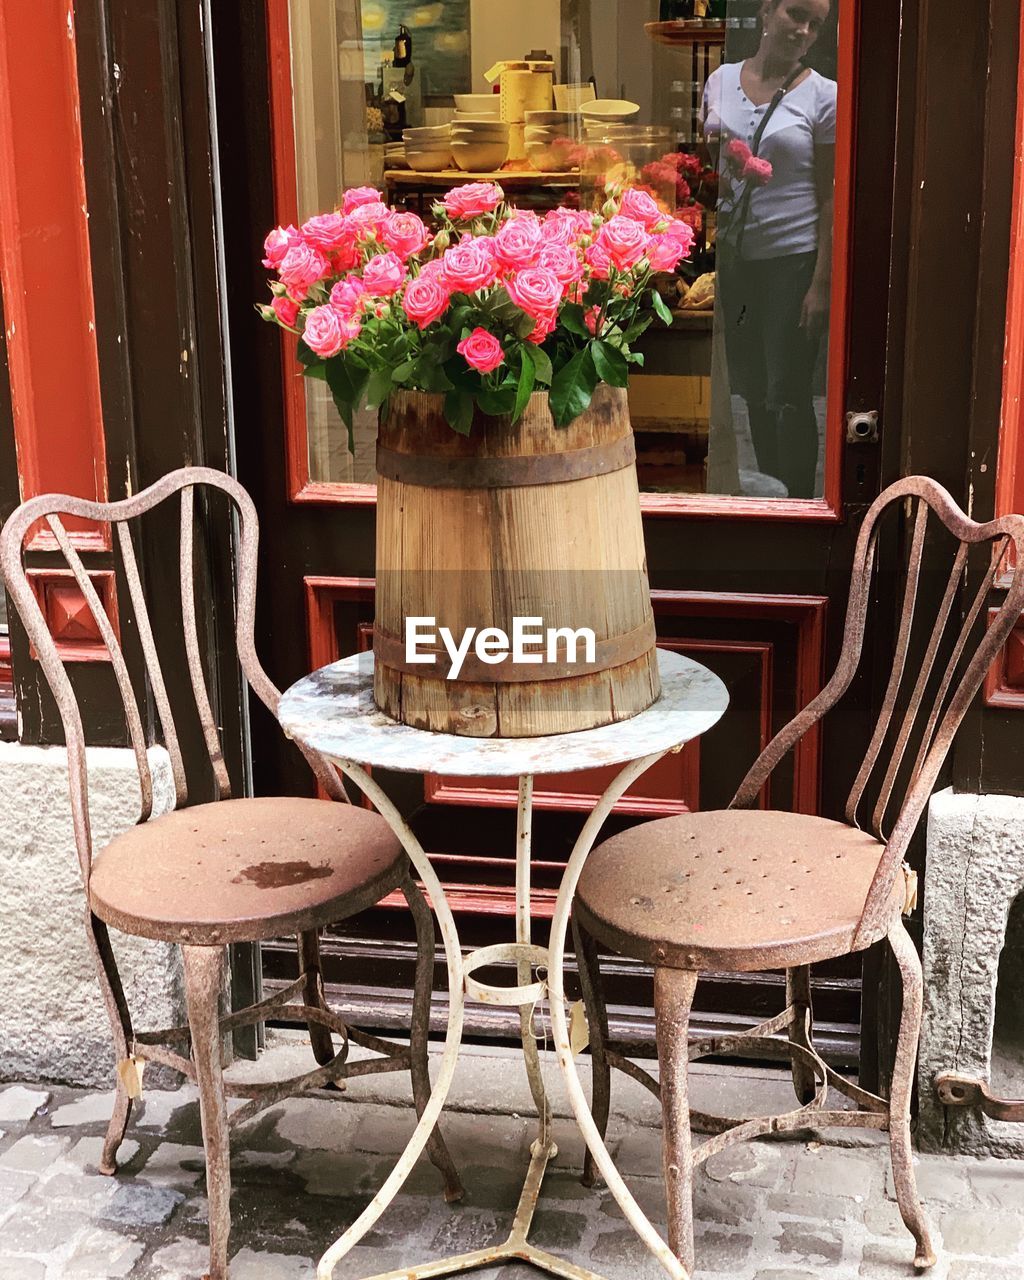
(337, 1173)
(939, 1181)
(753, 1163)
(320, 1125)
(824, 1209)
(621, 1254)
(844, 1174)
(892, 1260)
(34, 1154)
(159, 1107)
(19, 1104)
(180, 1260)
(12, 1268)
(718, 1250)
(882, 1218)
(14, 1184)
(725, 1204)
(965, 1269)
(810, 1242)
(992, 1235)
(998, 1182)
(248, 1264)
(41, 1228)
(85, 1191)
(485, 1140)
(467, 1230)
(384, 1134)
(638, 1154)
(86, 1153)
(93, 1108)
(136, 1204)
(173, 1164)
(786, 1274)
(557, 1230)
(102, 1255)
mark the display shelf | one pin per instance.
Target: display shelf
(684, 31)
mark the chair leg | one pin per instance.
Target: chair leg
(309, 964)
(798, 994)
(597, 1021)
(673, 999)
(121, 1031)
(203, 971)
(419, 1037)
(902, 1084)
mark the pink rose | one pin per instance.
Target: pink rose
(327, 231)
(347, 296)
(757, 170)
(368, 217)
(544, 325)
(481, 350)
(353, 198)
(566, 226)
(563, 261)
(347, 255)
(624, 240)
(639, 206)
(665, 249)
(598, 260)
(537, 290)
(277, 244)
(425, 299)
(738, 152)
(517, 244)
(682, 191)
(327, 332)
(469, 265)
(302, 266)
(473, 199)
(286, 311)
(404, 233)
(692, 215)
(384, 275)
(432, 270)
(661, 176)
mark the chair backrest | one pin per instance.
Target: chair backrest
(930, 685)
(50, 509)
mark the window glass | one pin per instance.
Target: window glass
(725, 111)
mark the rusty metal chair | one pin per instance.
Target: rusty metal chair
(233, 870)
(747, 889)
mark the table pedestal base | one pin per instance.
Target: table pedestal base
(516, 1248)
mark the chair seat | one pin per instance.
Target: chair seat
(737, 890)
(245, 870)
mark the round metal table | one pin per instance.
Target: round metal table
(332, 711)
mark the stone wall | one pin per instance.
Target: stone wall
(53, 1025)
(974, 878)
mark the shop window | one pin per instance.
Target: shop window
(738, 397)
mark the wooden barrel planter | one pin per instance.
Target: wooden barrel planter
(512, 521)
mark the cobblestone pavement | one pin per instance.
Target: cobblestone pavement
(780, 1210)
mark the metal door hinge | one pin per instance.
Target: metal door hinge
(955, 1090)
(862, 427)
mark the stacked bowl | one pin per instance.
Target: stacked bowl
(429, 149)
(479, 143)
(551, 139)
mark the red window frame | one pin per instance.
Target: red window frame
(302, 488)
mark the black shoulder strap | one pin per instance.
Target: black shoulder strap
(777, 97)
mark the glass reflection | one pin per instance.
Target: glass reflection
(726, 114)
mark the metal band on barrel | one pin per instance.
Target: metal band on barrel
(389, 651)
(432, 472)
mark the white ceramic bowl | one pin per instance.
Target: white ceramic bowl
(608, 109)
(476, 102)
(427, 133)
(469, 132)
(480, 157)
(429, 161)
(550, 117)
(476, 117)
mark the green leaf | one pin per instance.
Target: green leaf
(572, 387)
(305, 354)
(458, 411)
(660, 309)
(497, 401)
(610, 363)
(429, 376)
(405, 371)
(635, 330)
(542, 365)
(378, 388)
(637, 358)
(315, 371)
(571, 317)
(346, 376)
(527, 378)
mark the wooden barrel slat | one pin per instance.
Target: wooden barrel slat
(569, 551)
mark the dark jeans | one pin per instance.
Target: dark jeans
(771, 360)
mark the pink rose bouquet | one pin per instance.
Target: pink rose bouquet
(486, 306)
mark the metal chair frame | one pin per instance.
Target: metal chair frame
(203, 964)
(675, 980)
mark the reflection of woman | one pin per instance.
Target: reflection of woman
(774, 246)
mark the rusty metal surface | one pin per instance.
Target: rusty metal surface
(244, 870)
(614, 652)
(439, 472)
(740, 890)
(333, 712)
(956, 1090)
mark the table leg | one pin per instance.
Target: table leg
(556, 994)
(524, 844)
(453, 1039)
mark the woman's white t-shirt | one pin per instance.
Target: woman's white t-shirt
(782, 217)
